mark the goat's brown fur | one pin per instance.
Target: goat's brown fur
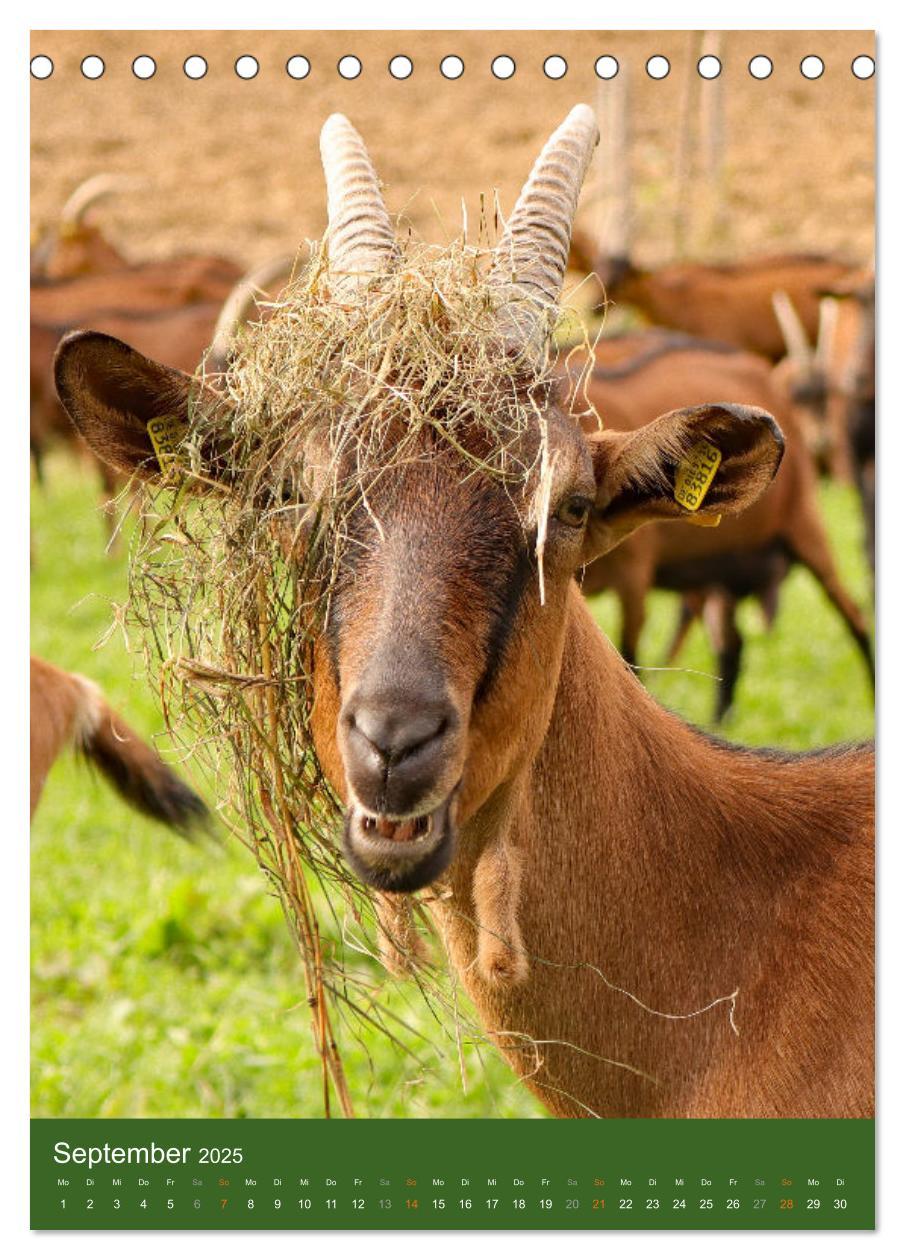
(141, 288)
(701, 871)
(400, 945)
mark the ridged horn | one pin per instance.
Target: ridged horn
(360, 238)
(529, 263)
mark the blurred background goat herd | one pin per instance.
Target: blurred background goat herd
(723, 251)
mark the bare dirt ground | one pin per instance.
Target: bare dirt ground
(232, 165)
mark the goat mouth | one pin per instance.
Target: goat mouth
(399, 854)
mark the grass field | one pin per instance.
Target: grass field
(164, 979)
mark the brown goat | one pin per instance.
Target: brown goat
(746, 556)
(69, 711)
(729, 301)
(812, 378)
(77, 249)
(649, 922)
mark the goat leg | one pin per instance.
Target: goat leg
(692, 607)
(719, 617)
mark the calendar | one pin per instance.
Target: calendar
(272, 1174)
(452, 612)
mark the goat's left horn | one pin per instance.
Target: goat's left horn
(91, 191)
(360, 239)
(529, 263)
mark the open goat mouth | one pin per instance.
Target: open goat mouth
(399, 854)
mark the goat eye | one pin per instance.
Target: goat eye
(574, 511)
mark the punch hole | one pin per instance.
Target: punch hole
(41, 67)
(503, 67)
(812, 67)
(247, 67)
(452, 67)
(555, 67)
(863, 67)
(658, 67)
(760, 67)
(194, 67)
(400, 67)
(709, 67)
(298, 67)
(606, 67)
(93, 67)
(349, 67)
(144, 67)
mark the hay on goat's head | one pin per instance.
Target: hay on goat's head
(423, 350)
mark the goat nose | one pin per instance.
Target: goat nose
(397, 731)
(396, 747)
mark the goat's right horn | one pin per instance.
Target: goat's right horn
(529, 263)
(793, 330)
(360, 238)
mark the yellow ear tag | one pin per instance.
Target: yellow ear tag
(695, 474)
(708, 520)
(166, 434)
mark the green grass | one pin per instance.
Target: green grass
(164, 978)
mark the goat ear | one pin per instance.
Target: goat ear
(691, 465)
(131, 411)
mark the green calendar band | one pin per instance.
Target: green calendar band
(452, 1174)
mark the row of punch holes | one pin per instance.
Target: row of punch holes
(452, 67)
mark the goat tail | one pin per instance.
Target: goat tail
(137, 773)
(70, 709)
